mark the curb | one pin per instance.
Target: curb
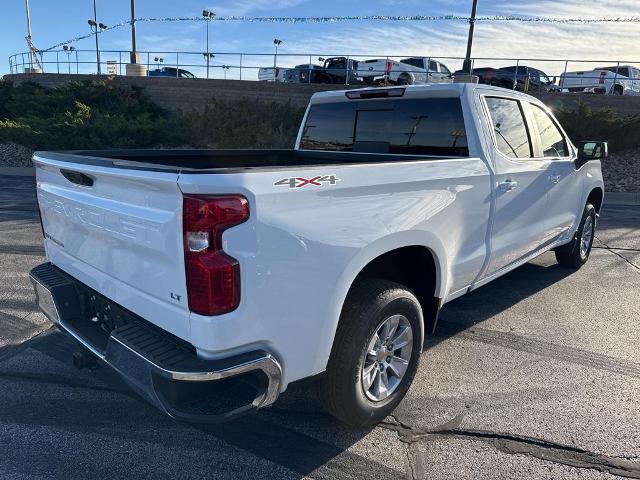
(621, 198)
(18, 171)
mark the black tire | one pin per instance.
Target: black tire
(367, 306)
(403, 81)
(572, 255)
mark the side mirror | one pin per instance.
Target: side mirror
(588, 151)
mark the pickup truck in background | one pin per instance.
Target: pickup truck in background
(210, 280)
(272, 74)
(615, 80)
(408, 71)
(334, 70)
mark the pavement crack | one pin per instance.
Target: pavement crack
(611, 249)
(517, 444)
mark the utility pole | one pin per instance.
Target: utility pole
(208, 16)
(134, 55)
(95, 26)
(466, 66)
(29, 35)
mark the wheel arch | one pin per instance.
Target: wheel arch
(595, 198)
(378, 251)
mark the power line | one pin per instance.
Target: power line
(385, 18)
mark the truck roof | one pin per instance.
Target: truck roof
(418, 91)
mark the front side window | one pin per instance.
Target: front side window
(552, 141)
(512, 137)
(430, 126)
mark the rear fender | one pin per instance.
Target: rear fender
(362, 259)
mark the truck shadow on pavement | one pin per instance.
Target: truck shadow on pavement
(479, 305)
(294, 433)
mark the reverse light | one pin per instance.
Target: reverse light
(213, 277)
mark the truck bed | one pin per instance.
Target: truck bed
(223, 161)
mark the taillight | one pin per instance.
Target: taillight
(603, 75)
(389, 66)
(213, 277)
(488, 75)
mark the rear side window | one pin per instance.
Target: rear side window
(552, 141)
(512, 137)
(430, 126)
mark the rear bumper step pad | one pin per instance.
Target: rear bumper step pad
(160, 367)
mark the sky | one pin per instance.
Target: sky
(60, 20)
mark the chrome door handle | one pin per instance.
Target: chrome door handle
(554, 178)
(507, 185)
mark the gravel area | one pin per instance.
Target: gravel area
(621, 171)
(14, 155)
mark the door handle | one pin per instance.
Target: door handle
(554, 178)
(507, 185)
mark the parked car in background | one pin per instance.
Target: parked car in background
(531, 79)
(271, 74)
(492, 76)
(307, 73)
(616, 80)
(408, 71)
(171, 72)
(210, 280)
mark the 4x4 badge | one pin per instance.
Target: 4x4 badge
(299, 182)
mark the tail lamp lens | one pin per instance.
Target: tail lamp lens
(213, 277)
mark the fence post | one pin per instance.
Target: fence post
(309, 67)
(428, 68)
(57, 61)
(515, 75)
(177, 64)
(120, 62)
(240, 66)
(564, 74)
(147, 61)
(346, 79)
(77, 66)
(615, 77)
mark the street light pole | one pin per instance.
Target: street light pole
(466, 66)
(134, 56)
(29, 34)
(95, 26)
(208, 15)
(276, 43)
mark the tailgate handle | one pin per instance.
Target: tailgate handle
(78, 178)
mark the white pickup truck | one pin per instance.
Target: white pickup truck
(408, 71)
(615, 80)
(212, 279)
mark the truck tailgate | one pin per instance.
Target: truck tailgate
(118, 230)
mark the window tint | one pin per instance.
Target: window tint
(551, 140)
(510, 130)
(432, 126)
(416, 62)
(433, 66)
(444, 69)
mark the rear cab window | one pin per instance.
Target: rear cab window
(509, 127)
(425, 126)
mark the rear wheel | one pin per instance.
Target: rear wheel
(576, 253)
(375, 353)
(403, 80)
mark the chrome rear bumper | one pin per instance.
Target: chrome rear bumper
(163, 369)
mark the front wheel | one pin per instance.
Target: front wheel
(576, 253)
(375, 353)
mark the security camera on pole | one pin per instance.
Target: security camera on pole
(208, 17)
(134, 68)
(276, 43)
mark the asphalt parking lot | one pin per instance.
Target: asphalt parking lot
(536, 375)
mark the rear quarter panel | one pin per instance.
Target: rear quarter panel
(302, 247)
